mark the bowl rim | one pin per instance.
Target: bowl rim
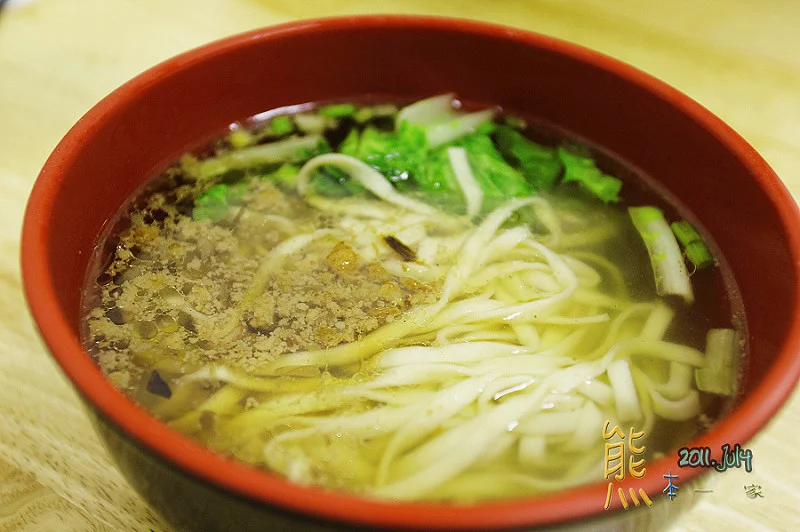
(248, 482)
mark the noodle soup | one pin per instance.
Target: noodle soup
(419, 302)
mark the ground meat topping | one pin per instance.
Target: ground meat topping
(176, 288)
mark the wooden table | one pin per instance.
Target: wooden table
(58, 57)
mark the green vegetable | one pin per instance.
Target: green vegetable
(306, 153)
(364, 114)
(313, 123)
(211, 204)
(461, 125)
(579, 166)
(403, 156)
(285, 175)
(718, 374)
(215, 202)
(339, 110)
(415, 154)
(358, 173)
(281, 125)
(333, 182)
(496, 179)
(349, 145)
(540, 165)
(695, 249)
(435, 175)
(241, 138)
(669, 269)
(441, 122)
(433, 110)
(397, 155)
(487, 128)
(290, 149)
(495, 176)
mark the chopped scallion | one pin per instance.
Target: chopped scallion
(718, 374)
(665, 256)
(695, 249)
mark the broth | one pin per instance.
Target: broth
(450, 336)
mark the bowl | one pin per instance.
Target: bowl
(139, 128)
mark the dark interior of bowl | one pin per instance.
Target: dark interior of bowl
(179, 104)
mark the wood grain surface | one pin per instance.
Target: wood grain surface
(58, 57)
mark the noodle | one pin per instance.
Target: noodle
(477, 356)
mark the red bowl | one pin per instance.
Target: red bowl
(136, 130)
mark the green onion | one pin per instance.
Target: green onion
(669, 269)
(290, 149)
(718, 374)
(695, 249)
